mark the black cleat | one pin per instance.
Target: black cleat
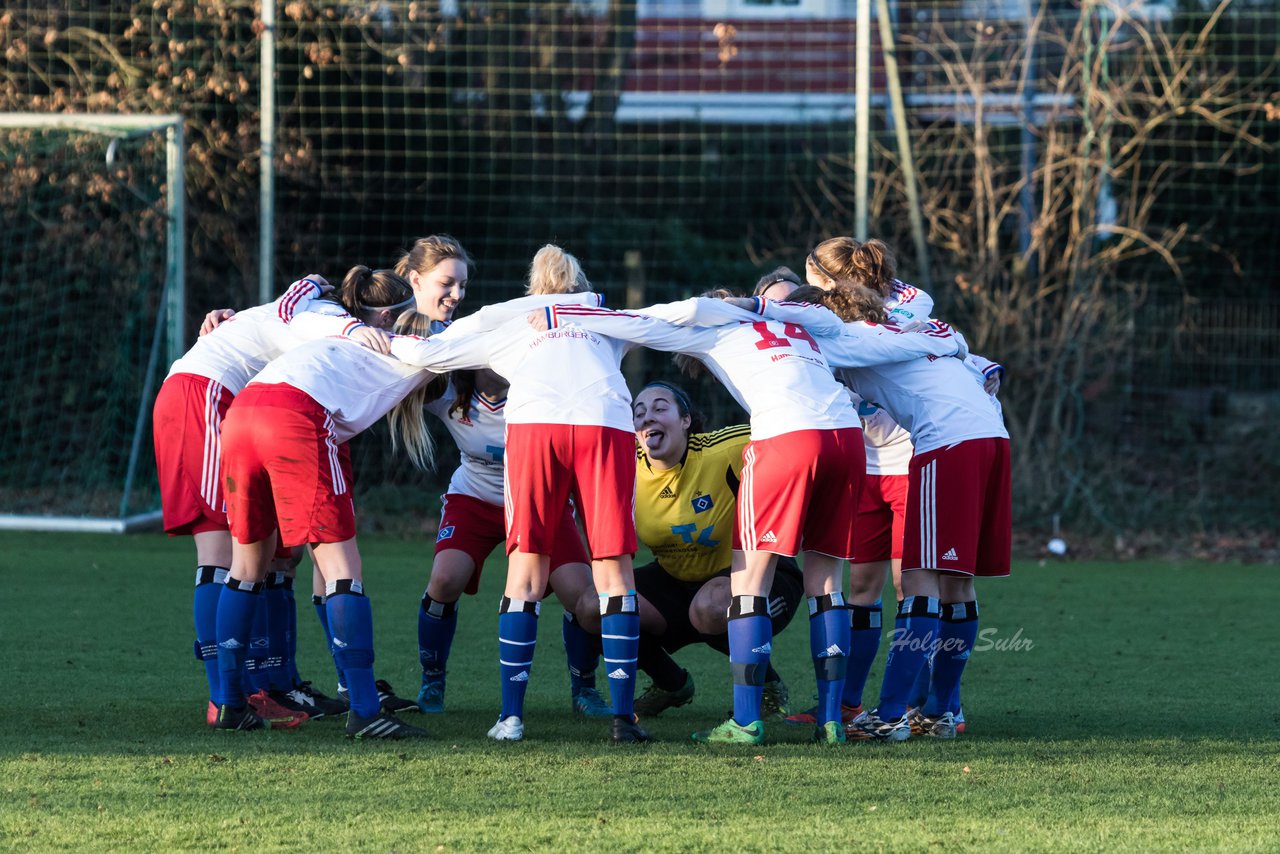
(392, 703)
(243, 718)
(383, 725)
(311, 701)
(628, 731)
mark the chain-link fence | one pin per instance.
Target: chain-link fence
(1097, 187)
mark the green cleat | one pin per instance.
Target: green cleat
(731, 732)
(775, 703)
(654, 701)
(829, 733)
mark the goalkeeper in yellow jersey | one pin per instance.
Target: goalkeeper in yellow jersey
(686, 488)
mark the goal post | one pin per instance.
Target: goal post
(92, 268)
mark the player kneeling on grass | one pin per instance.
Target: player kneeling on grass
(287, 467)
(686, 497)
(958, 516)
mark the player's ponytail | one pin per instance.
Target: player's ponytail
(364, 291)
(555, 271)
(849, 302)
(845, 261)
(407, 419)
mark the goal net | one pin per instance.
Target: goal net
(91, 271)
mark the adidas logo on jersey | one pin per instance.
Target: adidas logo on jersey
(950, 555)
(769, 537)
(666, 493)
(834, 650)
(522, 676)
(764, 650)
(619, 674)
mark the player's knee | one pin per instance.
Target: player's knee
(588, 611)
(708, 609)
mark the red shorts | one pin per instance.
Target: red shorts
(470, 525)
(548, 463)
(187, 424)
(960, 510)
(800, 491)
(877, 529)
(283, 468)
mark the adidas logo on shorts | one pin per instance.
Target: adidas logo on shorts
(666, 493)
(950, 555)
(619, 674)
(769, 537)
(522, 676)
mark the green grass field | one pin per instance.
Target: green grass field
(1144, 715)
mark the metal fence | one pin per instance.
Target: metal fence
(1094, 186)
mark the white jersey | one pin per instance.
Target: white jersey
(481, 437)
(774, 368)
(906, 303)
(234, 352)
(560, 376)
(356, 385)
(939, 402)
(888, 446)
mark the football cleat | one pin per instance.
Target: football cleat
(588, 703)
(853, 728)
(211, 714)
(829, 733)
(871, 727)
(273, 713)
(325, 706)
(392, 703)
(774, 702)
(810, 717)
(654, 701)
(731, 732)
(383, 725)
(507, 729)
(386, 697)
(627, 730)
(431, 695)
(960, 721)
(243, 718)
(943, 726)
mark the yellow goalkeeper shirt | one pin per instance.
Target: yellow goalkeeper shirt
(685, 514)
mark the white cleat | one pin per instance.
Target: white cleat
(507, 729)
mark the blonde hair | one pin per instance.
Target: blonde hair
(847, 262)
(555, 271)
(427, 253)
(407, 419)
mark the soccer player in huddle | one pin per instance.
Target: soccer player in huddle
(686, 500)
(187, 417)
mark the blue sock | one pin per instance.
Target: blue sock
(920, 688)
(620, 640)
(914, 636)
(581, 651)
(957, 633)
(517, 638)
(291, 635)
(236, 608)
(864, 644)
(437, 623)
(204, 604)
(255, 662)
(829, 646)
(322, 612)
(351, 616)
(750, 644)
(274, 668)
